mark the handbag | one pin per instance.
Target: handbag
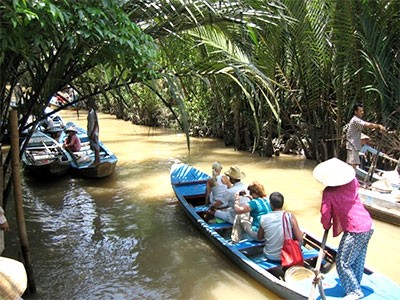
(291, 251)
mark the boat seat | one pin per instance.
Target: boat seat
(247, 244)
(307, 254)
(266, 264)
(42, 157)
(220, 226)
(85, 150)
(41, 147)
(201, 208)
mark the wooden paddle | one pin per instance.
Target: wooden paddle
(318, 279)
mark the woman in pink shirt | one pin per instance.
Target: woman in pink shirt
(72, 143)
(342, 209)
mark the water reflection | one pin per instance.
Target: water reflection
(125, 237)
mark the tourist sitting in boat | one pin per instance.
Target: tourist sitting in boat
(248, 215)
(72, 143)
(271, 228)
(217, 184)
(223, 209)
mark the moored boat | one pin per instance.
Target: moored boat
(384, 206)
(44, 156)
(83, 160)
(189, 185)
(365, 176)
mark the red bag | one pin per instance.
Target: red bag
(291, 251)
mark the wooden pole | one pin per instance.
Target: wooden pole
(1, 197)
(19, 209)
(317, 270)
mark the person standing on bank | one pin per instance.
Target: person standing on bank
(342, 210)
(93, 130)
(353, 136)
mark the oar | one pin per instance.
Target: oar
(317, 279)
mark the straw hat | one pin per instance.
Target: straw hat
(364, 136)
(235, 173)
(71, 128)
(13, 279)
(382, 185)
(334, 172)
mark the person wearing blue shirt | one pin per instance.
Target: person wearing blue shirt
(367, 149)
(248, 214)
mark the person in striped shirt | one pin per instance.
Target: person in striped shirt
(353, 136)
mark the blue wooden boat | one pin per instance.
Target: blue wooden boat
(44, 156)
(82, 162)
(189, 185)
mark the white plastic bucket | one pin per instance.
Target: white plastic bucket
(300, 279)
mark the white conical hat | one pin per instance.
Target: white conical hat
(13, 279)
(334, 172)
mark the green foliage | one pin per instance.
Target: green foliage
(247, 71)
(46, 45)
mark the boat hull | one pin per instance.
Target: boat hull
(382, 206)
(104, 169)
(48, 170)
(83, 162)
(45, 157)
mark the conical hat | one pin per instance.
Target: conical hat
(334, 172)
(13, 279)
(71, 128)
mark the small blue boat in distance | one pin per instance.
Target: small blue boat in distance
(189, 185)
(82, 161)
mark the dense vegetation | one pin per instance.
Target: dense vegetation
(258, 74)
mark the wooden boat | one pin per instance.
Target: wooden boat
(189, 185)
(382, 197)
(82, 162)
(382, 206)
(44, 156)
(361, 175)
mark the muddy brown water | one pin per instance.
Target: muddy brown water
(125, 237)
